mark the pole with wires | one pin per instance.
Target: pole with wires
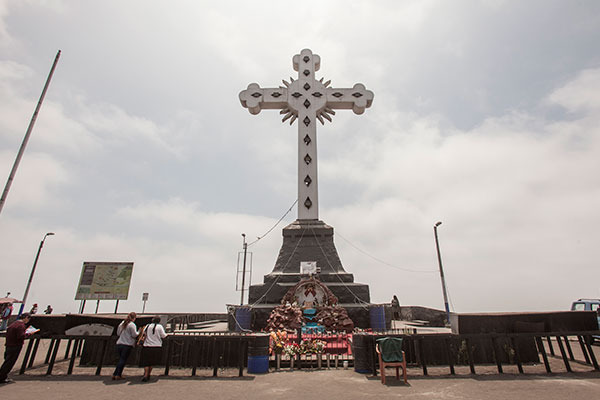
(439, 256)
(245, 245)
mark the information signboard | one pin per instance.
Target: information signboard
(104, 281)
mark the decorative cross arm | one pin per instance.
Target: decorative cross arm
(256, 99)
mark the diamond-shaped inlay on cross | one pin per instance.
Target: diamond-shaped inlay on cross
(275, 94)
(256, 94)
(306, 121)
(306, 86)
(306, 59)
(317, 94)
(306, 142)
(357, 94)
(306, 103)
(307, 180)
(296, 94)
(307, 159)
(308, 203)
(306, 72)
(337, 94)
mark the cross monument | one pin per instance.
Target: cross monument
(307, 100)
(307, 240)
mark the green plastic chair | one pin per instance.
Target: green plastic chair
(389, 350)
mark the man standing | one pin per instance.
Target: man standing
(15, 337)
(395, 308)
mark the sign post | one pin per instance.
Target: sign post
(144, 299)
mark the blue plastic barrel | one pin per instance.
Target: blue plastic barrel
(258, 364)
(377, 314)
(243, 317)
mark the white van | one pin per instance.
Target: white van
(586, 305)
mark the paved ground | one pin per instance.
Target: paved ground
(332, 384)
(583, 383)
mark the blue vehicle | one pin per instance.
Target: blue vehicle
(588, 305)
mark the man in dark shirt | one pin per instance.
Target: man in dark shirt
(15, 337)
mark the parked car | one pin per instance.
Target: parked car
(588, 305)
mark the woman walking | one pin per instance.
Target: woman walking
(152, 350)
(127, 333)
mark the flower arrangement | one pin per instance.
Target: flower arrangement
(278, 341)
(291, 349)
(312, 346)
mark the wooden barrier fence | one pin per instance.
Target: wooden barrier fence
(230, 350)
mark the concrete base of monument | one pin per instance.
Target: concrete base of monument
(277, 285)
(308, 240)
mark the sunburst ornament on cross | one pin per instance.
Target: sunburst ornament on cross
(307, 100)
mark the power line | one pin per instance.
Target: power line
(384, 262)
(277, 223)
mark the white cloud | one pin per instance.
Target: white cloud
(581, 93)
(36, 181)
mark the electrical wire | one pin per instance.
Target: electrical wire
(450, 298)
(277, 223)
(282, 271)
(383, 262)
(361, 302)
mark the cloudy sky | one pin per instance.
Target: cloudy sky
(486, 116)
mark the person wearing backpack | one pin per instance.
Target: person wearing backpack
(127, 333)
(152, 347)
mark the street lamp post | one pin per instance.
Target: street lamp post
(33, 271)
(439, 256)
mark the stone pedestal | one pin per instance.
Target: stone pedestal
(308, 240)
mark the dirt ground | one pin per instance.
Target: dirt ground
(487, 383)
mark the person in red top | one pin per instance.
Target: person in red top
(15, 337)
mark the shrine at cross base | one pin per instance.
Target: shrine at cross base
(308, 240)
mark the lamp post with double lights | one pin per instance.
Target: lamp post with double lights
(33, 271)
(439, 256)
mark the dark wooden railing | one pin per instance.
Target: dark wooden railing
(194, 351)
(470, 349)
(215, 350)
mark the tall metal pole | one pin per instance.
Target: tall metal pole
(13, 171)
(244, 269)
(37, 256)
(437, 246)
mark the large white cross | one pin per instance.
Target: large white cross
(306, 100)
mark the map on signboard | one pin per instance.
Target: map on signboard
(104, 281)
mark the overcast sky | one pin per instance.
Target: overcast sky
(486, 116)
